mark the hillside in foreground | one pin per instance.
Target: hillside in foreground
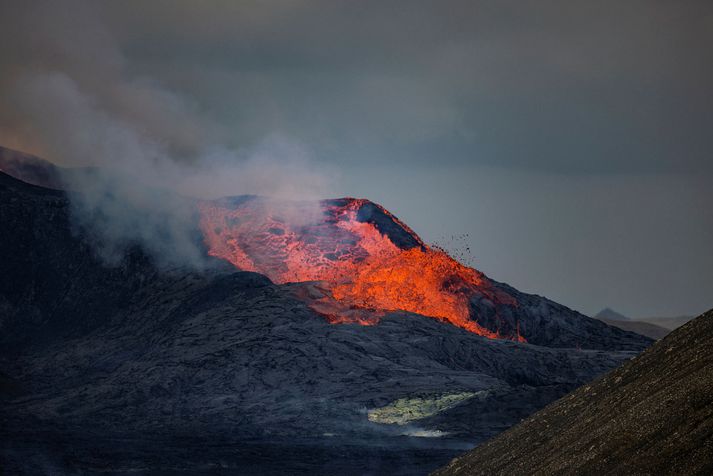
(653, 415)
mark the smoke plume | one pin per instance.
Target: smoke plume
(135, 155)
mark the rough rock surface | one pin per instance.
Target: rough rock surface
(652, 416)
(114, 367)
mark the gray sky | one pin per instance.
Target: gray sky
(569, 141)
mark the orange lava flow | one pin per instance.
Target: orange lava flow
(358, 266)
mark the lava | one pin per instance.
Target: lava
(366, 262)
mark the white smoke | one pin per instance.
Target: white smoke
(144, 151)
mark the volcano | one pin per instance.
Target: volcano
(363, 257)
(321, 337)
(353, 261)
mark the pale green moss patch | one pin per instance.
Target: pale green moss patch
(406, 410)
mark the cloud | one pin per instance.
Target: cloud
(554, 86)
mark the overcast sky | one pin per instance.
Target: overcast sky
(563, 146)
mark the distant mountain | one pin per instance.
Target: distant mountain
(610, 315)
(613, 318)
(653, 415)
(670, 323)
(38, 171)
(654, 327)
(29, 168)
(640, 327)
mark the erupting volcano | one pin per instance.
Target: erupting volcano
(360, 259)
(99, 352)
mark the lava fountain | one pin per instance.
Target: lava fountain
(356, 260)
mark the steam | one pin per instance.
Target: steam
(137, 155)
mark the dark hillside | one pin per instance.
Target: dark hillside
(653, 415)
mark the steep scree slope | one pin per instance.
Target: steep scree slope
(651, 416)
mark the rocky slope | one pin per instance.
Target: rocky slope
(174, 369)
(653, 415)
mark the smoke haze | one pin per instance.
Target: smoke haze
(133, 151)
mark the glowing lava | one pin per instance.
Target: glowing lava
(363, 258)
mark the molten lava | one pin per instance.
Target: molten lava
(363, 258)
